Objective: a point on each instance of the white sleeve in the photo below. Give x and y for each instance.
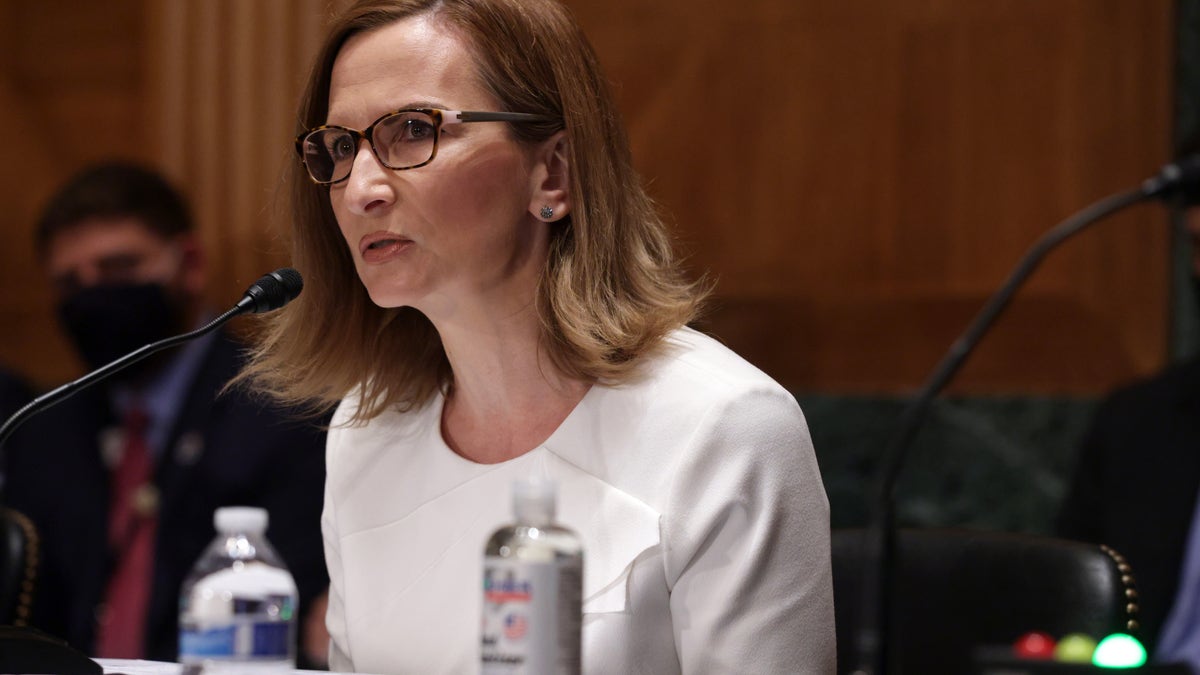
(746, 534)
(335, 615)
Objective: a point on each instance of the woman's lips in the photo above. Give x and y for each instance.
(380, 248)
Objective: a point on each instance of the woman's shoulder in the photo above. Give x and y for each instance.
(386, 427)
(702, 364)
(694, 382)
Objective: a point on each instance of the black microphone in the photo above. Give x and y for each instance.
(272, 291)
(871, 646)
(1179, 177)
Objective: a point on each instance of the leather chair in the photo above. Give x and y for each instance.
(958, 591)
(18, 567)
(24, 649)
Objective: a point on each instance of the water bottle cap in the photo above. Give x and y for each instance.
(240, 519)
(534, 500)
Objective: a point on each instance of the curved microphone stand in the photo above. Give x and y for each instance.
(879, 548)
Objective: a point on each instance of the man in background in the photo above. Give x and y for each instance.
(15, 392)
(1135, 489)
(122, 479)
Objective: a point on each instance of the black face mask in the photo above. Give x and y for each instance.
(107, 322)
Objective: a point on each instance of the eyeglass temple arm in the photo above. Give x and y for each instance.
(463, 116)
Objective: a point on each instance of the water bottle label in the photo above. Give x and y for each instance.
(241, 639)
(214, 642)
(531, 617)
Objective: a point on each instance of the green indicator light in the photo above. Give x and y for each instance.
(1119, 651)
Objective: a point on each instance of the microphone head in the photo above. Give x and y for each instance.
(1179, 180)
(272, 291)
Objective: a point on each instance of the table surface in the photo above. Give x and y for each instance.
(140, 667)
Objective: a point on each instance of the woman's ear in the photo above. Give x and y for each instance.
(551, 176)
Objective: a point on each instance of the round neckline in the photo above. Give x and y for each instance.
(439, 409)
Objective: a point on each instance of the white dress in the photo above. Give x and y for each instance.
(695, 492)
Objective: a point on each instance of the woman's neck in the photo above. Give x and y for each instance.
(507, 396)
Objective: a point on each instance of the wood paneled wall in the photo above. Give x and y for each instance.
(857, 175)
(223, 83)
(861, 175)
(71, 92)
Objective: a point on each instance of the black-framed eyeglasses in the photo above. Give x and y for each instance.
(405, 139)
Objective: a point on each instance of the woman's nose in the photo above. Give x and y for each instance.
(367, 189)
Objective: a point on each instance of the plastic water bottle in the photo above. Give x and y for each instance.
(238, 608)
(532, 589)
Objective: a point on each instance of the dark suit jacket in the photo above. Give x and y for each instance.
(1136, 484)
(224, 450)
(14, 393)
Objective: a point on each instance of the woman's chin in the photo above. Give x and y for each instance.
(385, 290)
(389, 298)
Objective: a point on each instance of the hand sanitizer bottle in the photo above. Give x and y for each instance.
(532, 589)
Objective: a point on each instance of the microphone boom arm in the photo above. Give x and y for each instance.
(879, 548)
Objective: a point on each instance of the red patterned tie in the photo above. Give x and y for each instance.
(132, 522)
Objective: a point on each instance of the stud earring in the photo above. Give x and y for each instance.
(547, 213)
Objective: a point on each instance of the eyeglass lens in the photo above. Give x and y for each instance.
(402, 140)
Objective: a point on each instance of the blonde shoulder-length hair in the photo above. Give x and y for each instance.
(611, 288)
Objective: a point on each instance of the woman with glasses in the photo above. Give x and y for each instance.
(490, 295)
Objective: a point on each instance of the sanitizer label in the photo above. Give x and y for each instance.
(531, 616)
